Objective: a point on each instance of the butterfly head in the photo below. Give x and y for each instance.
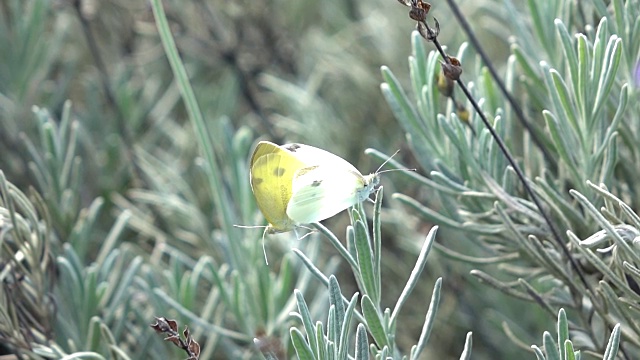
(369, 184)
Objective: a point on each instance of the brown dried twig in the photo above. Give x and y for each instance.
(170, 327)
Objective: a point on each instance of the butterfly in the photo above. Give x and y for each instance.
(298, 184)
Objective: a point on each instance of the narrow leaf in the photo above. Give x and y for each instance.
(362, 343)
(302, 348)
(365, 262)
(468, 343)
(550, 347)
(306, 318)
(346, 327)
(335, 299)
(415, 273)
(563, 332)
(374, 322)
(429, 319)
(614, 343)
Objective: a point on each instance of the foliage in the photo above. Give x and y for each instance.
(564, 349)
(582, 92)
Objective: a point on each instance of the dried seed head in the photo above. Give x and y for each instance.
(419, 11)
(428, 33)
(452, 68)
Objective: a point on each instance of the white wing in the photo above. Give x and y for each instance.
(320, 192)
(313, 156)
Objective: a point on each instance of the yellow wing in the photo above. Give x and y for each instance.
(272, 171)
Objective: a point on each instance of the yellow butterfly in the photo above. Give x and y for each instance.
(299, 184)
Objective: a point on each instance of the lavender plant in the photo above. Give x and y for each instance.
(576, 99)
(130, 217)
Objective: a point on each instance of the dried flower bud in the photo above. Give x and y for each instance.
(452, 68)
(164, 325)
(193, 347)
(417, 14)
(422, 29)
(170, 327)
(175, 339)
(419, 11)
(428, 33)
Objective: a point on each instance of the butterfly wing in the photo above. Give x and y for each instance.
(272, 172)
(313, 156)
(320, 192)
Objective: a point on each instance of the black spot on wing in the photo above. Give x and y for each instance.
(293, 147)
(316, 183)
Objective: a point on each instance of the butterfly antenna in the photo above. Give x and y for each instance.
(264, 250)
(386, 161)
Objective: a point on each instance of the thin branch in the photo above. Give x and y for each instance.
(551, 160)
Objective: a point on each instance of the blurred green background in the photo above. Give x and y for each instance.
(92, 119)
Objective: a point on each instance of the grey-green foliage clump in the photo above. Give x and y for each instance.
(562, 347)
(577, 95)
(334, 338)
